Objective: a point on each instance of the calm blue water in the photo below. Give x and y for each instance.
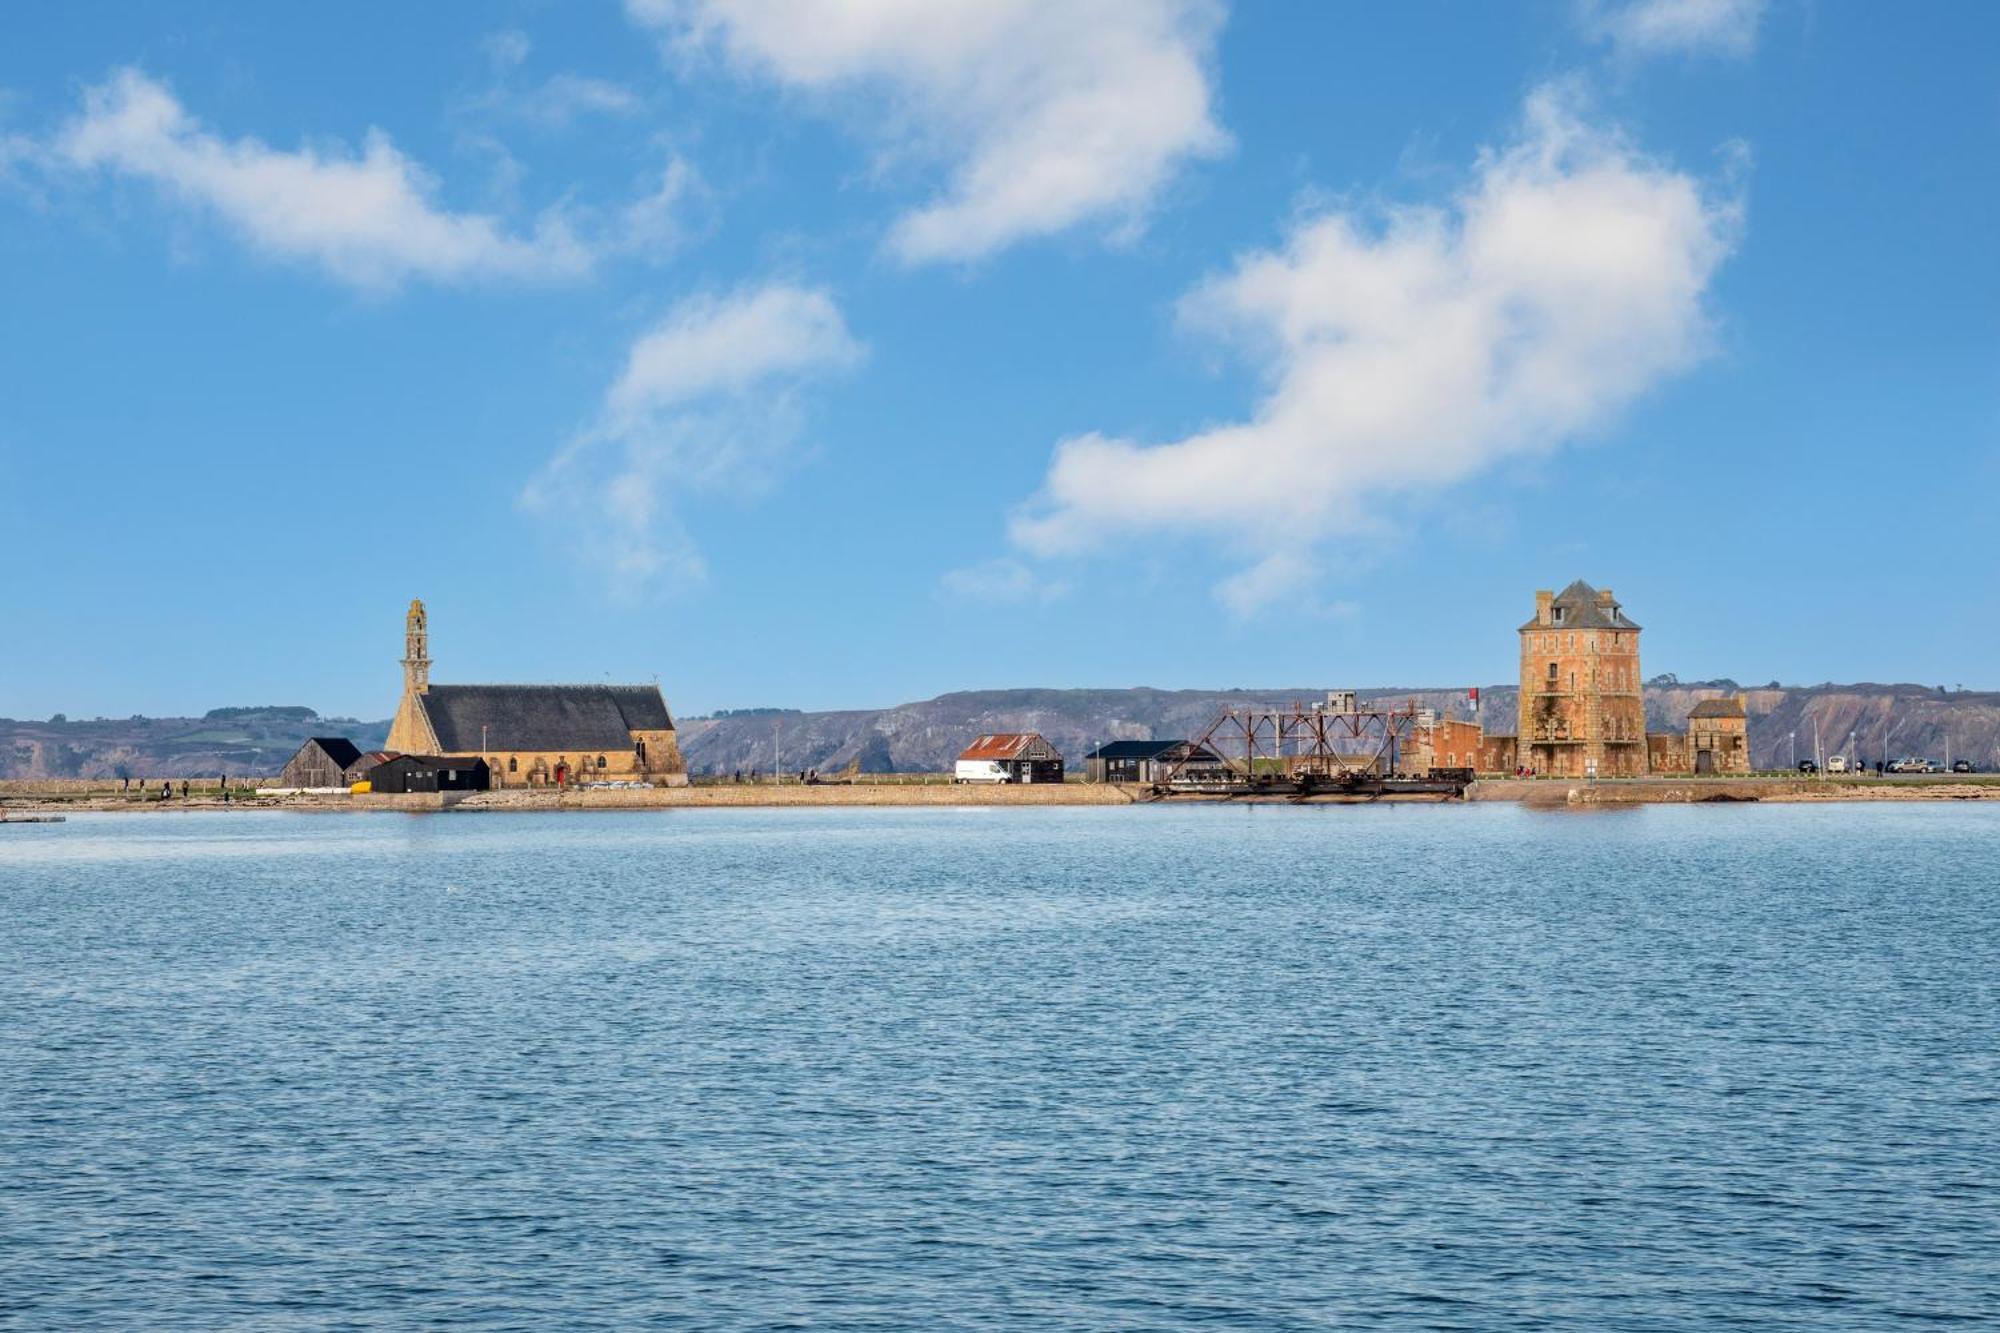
(1395, 1067)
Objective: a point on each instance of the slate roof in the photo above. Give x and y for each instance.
(543, 717)
(1581, 611)
(440, 762)
(339, 749)
(1729, 707)
(1116, 750)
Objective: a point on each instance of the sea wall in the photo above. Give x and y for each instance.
(1725, 790)
(101, 786)
(1545, 792)
(866, 793)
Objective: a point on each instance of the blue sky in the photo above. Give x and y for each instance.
(842, 353)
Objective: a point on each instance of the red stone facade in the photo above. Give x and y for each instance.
(1582, 704)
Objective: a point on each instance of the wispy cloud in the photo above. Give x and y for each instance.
(369, 218)
(1661, 27)
(1001, 579)
(554, 102)
(1047, 113)
(562, 98)
(655, 223)
(1410, 353)
(707, 403)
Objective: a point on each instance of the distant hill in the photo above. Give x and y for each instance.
(925, 737)
(248, 741)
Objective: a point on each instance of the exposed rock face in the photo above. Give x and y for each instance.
(927, 736)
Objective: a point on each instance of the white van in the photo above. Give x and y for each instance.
(1836, 763)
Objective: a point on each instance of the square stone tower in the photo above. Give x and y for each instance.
(1583, 706)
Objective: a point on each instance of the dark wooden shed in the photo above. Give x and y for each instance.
(425, 773)
(361, 768)
(321, 762)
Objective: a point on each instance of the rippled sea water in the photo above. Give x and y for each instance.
(1439, 1067)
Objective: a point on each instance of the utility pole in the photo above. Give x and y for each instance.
(1795, 752)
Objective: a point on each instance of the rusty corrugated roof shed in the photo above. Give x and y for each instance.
(1010, 745)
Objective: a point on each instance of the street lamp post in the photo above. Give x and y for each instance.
(1885, 745)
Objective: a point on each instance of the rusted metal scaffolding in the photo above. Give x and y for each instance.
(1336, 742)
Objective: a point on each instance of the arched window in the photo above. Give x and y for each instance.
(513, 764)
(600, 761)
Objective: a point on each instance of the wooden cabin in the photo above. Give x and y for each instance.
(321, 762)
(428, 773)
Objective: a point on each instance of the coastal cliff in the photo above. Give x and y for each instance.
(926, 736)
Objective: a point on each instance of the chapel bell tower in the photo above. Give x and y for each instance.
(416, 651)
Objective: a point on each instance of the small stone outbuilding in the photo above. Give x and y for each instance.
(1718, 736)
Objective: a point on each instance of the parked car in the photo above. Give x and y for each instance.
(1836, 763)
(1808, 766)
(1963, 766)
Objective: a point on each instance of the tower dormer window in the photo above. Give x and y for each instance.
(1559, 615)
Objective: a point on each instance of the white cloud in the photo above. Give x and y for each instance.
(562, 98)
(1049, 113)
(1280, 574)
(369, 219)
(554, 103)
(1001, 579)
(507, 48)
(656, 221)
(1658, 27)
(1564, 281)
(707, 403)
